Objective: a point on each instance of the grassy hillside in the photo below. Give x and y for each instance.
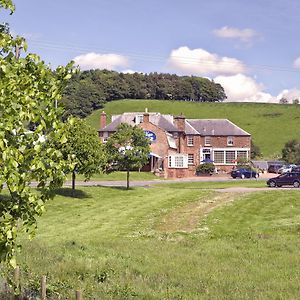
(271, 125)
(189, 244)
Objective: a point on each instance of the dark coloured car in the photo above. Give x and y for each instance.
(274, 168)
(292, 178)
(296, 169)
(244, 173)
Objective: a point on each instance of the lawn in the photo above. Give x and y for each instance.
(271, 125)
(167, 242)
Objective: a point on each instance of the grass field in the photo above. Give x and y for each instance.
(168, 242)
(271, 125)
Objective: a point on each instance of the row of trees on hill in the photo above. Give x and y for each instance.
(89, 90)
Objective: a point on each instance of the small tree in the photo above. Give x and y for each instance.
(28, 92)
(291, 152)
(255, 151)
(127, 149)
(283, 101)
(84, 149)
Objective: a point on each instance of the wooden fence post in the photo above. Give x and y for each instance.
(78, 295)
(43, 288)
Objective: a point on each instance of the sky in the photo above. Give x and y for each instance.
(252, 48)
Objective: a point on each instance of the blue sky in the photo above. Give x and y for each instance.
(250, 47)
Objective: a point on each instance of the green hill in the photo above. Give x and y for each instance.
(271, 125)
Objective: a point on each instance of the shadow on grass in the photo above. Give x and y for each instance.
(120, 188)
(68, 192)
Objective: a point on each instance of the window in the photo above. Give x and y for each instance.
(190, 140)
(207, 141)
(139, 119)
(178, 161)
(230, 157)
(190, 159)
(242, 154)
(230, 141)
(105, 137)
(219, 157)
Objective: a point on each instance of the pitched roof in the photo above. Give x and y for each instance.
(163, 121)
(218, 127)
(204, 127)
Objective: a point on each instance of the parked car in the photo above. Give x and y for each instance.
(292, 178)
(274, 168)
(296, 169)
(286, 169)
(244, 173)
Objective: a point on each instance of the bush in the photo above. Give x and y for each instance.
(206, 168)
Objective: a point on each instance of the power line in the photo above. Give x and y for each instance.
(147, 57)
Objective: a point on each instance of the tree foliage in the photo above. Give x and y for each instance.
(28, 91)
(255, 151)
(91, 89)
(127, 149)
(291, 152)
(84, 149)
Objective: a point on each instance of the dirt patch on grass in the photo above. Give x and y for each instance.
(187, 218)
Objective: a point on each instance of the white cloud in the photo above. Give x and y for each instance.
(101, 61)
(200, 62)
(241, 88)
(244, 35)
(297, 63)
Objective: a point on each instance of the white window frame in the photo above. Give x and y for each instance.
(191, 159)
(139, 119)
(230, 141)
(190, 140)
(207, 140)
(178, 161)
(236, 150)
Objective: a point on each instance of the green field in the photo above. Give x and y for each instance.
(271, 125)
(168, 242)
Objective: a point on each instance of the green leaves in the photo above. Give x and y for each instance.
(128, 148)
(28, 92)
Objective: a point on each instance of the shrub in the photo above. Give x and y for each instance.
(206, 168)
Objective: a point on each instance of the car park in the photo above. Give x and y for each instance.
(291, 178)
(244, 173)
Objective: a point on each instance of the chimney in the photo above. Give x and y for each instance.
(146, 116)
(180, 122)
(102, 120)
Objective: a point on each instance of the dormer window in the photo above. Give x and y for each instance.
(139, 119)
(230, 141)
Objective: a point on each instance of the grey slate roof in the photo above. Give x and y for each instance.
(217, 127)
(204, 127)
(163, 121)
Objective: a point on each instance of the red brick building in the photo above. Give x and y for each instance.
(178, 144)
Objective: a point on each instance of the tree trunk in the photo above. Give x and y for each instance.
(127, 180)
(73, 180)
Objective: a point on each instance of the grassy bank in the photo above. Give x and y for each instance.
(168, 242)
(271, 125)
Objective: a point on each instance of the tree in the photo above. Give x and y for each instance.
(291, 152)
(84, 149)
(296, 101)
(127, 149)
(29, 90)
(255, 151)
(283, 101)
